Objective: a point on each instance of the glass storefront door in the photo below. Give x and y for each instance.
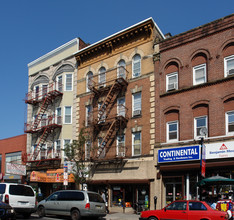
(173, 191)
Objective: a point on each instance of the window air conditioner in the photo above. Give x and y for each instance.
(121, 154)
(231, 72)
(172, 86)
(136, 112)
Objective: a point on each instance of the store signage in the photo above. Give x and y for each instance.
(179, 154)
(220, 150)
(18, 169)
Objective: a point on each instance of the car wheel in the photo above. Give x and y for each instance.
(75, 214)
(41, 211)
(152, 218)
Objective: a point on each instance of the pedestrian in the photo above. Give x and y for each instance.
(104, 199)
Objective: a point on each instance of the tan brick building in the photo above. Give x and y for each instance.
(195, 102)
(116, 104)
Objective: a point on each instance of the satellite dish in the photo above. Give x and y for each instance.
(203, 131)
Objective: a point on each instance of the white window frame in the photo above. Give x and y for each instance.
(88, 114)
(59, 86)
(134, 108)
(133, 145)
(56, 148)
(227, 122)
(103, 152)
(121, 110)
(168, 76)
(135, 62)
(118, 152)
(58, 121)
(226, 59)
(90, 73)
(66, 76)
(199, 67)
(64, 115)
(177, 131)
(100, 72)
(196, 136)
(121, 69)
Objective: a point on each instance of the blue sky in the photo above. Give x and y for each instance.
(32, 28)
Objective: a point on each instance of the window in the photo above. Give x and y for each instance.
(37, 91)
(136, 143)
(60, 83)
(229, 65)
(121, 106)
(88, 146)
(101, 148)
(177, 206)
(199, 123)
(43, 151)
(58, 148)
(89, 81)
(43, 120)
(121, 69)
(136, 66)
(44, 90)
(136, 108)
(101, 112)
(194, 206)
(230, 122)
(102, 77)
(68, 84)
(13, 158)
(172, 81)
(199, 74)
(172, 131)
(67, 115)
(88, 115)
(120, 145)
(59, 116)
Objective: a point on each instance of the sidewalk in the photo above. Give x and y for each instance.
(121, 216)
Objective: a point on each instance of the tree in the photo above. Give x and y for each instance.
(75, 153)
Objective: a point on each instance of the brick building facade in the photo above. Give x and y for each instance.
(194, 77)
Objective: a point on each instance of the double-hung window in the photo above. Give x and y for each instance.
(101, 148)
(67, 115)
(200, 124)
(199, 74)
(229, 65)
(89, 81)
(230, 123)
(136, 66)
(121, 106)
(60, 83)
(136, 143)
(59, 116)
(57, 148)
(121, 69)
(136, 108)
(88, 115)
(120, 145)
(172, 131)
(68, 84)
(102, 77)
(172, 81)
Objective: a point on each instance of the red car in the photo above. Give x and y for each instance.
(185, 210)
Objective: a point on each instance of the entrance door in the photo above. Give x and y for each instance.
(173, 192)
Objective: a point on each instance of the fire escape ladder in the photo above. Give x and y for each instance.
(42, 110)
(106, 139)
(40, 142)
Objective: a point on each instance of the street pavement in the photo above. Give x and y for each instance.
(121, 216)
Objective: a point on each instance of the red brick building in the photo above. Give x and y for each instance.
(11, 151)
(194, 73)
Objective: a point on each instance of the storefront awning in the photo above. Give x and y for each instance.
(216, 180)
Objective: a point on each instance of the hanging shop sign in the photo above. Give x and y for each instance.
(18, 169)
(220, 150)
(179, 154)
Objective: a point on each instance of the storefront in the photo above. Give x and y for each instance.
(180, 169)
(123, 194)
(45, 183)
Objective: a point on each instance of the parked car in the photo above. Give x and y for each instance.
(74, 203)
(6, 211)
(20, 197)
(185, 210)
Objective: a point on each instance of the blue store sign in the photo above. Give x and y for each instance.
(179, 154)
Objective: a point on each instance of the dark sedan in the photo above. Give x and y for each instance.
(6, 211)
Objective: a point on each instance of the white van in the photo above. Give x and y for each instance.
(21, 197)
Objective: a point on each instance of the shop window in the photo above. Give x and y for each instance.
(136, 143)
(136, 66)
(14, 158)
(199, 74)
(172, 81)
(200, 125)
(229, 65)
(172, 131)
(230, 123)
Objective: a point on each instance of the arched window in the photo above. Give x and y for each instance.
(136, 66)
(228, 59)
(199, 63)
(121, 69)
(171, 72)
(102, 77)
(172, 125)
(89, 81)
